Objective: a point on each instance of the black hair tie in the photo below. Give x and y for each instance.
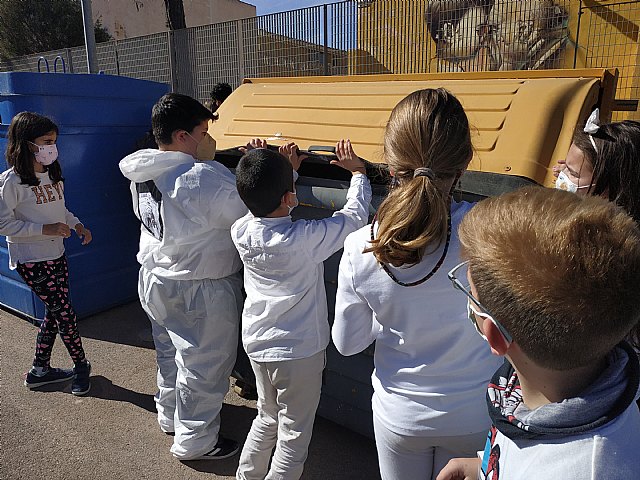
(424, 172)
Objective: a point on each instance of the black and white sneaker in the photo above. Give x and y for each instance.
(81, 383)
(53, 375)
(225, 448)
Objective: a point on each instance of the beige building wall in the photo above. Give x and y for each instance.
(133, 18)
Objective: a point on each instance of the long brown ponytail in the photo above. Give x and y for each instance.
(427, 130)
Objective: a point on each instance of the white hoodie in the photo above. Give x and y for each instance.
(199, 204)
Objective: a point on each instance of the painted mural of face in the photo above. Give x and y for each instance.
(473, 35)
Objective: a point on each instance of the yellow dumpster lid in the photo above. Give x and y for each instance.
(522, 121)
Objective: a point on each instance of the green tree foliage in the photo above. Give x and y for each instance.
(34, 26)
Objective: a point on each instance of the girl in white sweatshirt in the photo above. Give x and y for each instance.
(35, 221)
(431, 370)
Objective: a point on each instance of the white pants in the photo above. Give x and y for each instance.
(403, 457)
(288, 397)
(195, 331)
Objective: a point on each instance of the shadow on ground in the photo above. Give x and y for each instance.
(334, 451)
(105, 389)
(126, 325)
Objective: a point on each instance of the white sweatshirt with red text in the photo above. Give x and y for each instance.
(24, 210)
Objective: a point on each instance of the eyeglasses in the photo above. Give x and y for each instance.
(466, 289)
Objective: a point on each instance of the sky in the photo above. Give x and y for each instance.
(264, 7)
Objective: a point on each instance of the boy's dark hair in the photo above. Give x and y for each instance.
(146, 141)
(175, 111)
(26, 127)
(262, 177)
(220, 91)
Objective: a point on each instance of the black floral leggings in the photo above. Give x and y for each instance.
(49, 280)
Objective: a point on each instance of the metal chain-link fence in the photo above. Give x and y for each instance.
(379, 36)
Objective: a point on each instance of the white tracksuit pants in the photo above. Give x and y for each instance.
(195, 331)
(288, 397)
(407, 457)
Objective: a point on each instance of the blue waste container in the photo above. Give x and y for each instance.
(100, 118)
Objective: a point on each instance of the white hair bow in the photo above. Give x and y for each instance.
(592, 126)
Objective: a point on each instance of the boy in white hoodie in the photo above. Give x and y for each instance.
(190, 285)
(553, 286)
(285, 328)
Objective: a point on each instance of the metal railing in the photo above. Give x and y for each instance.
(381, 36)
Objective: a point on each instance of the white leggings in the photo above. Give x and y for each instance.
(420, 458)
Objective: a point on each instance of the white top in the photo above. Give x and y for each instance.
(593, 435)
(285, 313)
(199, 204)
(609, 452)
(431, 366)
(24, 210)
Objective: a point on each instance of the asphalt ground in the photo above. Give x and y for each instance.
(112, 432)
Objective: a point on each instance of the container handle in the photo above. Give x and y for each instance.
(55, 64)
(45, 62)
(321, 148)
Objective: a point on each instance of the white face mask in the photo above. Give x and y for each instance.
(46, 154)
(564, 183)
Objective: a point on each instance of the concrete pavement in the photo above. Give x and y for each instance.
(112, 432)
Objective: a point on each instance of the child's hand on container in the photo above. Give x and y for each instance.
(556, 169)
(253, 143)
(291, 151)
(56, 230)
(348, 159)
(83, 233)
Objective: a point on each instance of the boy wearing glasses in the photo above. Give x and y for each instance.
(285, 328)
(551, 282)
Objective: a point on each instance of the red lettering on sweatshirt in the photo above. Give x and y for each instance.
(50, 195)
(40, 196)
(59, 189)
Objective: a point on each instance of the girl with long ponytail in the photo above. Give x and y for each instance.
(431, 370)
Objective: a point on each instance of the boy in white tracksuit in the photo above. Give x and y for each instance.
(551, 282)
(190, 285)
(285, 328)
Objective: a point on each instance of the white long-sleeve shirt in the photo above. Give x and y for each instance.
(199, 204)
(592, 436)
(431, 367)
(285, 313)
(24, 210)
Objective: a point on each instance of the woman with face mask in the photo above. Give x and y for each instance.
(35, 220)
(604, 160)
